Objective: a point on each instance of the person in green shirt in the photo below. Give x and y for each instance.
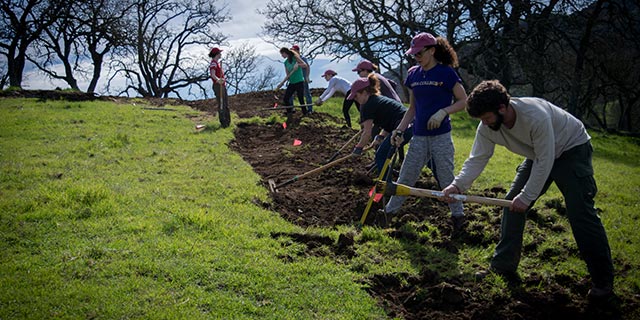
(293, 67)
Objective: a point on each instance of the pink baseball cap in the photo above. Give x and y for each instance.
(420, 41)
(356, 86)
(329, 72)
(364, 65)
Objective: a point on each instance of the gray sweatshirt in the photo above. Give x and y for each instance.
(542, 132)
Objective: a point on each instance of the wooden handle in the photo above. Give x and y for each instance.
(403, 190)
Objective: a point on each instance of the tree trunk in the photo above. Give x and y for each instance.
(576, 80)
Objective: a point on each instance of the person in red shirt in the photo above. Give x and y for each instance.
(219, 87)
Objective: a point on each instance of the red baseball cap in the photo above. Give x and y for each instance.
(329, 72)
(420, 41)
(356, 86)
(295, 47)
(364, 65)
(214, 51)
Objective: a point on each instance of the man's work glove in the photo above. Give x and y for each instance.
(318, 102)
(397, 138)
(357, 151)
(436, 119)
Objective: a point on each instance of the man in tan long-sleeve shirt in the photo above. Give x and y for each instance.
(557, 149)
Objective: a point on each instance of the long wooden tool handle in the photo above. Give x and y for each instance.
(316, 170)
(403, 190)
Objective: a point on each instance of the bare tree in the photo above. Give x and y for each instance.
(265, 80)
(167, 32)
(105, 31)
(376, 30)
(240, 63)
(59, 44)
(21, 23)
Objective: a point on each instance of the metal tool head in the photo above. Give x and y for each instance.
(272, 186)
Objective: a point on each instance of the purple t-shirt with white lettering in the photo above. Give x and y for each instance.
(432, 91)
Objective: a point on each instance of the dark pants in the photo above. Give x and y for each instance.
(221, 100)
(298, 89)
(573, 174)
(307, 96)
(346, 106)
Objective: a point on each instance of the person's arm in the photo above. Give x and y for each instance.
(397, 134)
(302, 64)
(365, 138)
(287, 75)
(328, 93)
(212, 74)
(461, 101)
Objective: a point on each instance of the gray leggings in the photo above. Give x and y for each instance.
(435, 152)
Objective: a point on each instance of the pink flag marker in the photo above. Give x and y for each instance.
(377, 197)
(275, 105)
(296, 142)
(284, 125)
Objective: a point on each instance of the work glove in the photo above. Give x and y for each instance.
(397, 138)
(357, 151)
(318, 102)
(220, 81)
(436, 119)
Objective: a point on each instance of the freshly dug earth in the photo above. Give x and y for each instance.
(338, 195)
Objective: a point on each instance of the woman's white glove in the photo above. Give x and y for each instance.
(436, 119)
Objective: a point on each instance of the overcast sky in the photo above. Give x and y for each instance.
(245, 26)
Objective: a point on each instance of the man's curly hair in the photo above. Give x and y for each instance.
(487, 97)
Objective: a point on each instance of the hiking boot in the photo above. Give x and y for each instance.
(508, 276)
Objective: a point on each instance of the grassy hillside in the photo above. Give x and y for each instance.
(120, 211)
(115, 211)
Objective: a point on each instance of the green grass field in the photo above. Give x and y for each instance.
(117, 211)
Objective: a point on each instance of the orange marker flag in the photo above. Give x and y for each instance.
(296, 142)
